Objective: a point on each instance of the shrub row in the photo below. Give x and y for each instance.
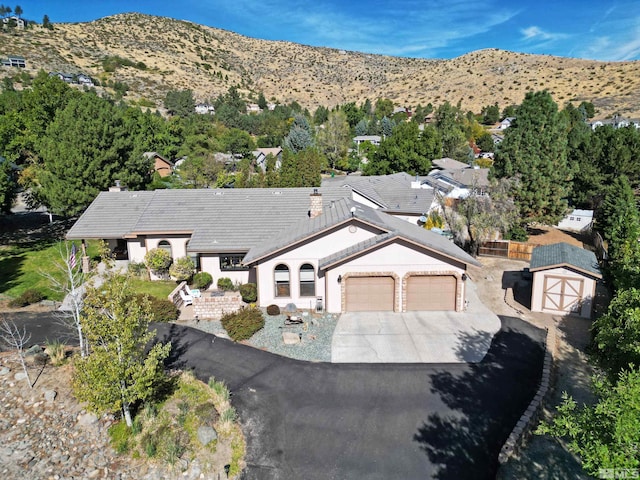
(27, 298)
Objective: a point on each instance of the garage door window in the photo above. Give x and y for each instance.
(283, 288)
(307, 280)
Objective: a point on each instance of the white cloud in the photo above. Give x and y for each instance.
(535, 33)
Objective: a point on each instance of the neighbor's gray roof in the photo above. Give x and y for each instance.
(393, 193)
(219, 219)
(564, 255)
(341, 213)
(449, 164)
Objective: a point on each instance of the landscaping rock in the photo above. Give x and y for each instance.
(207, 434)
(87, 419)
(290, 338)
(290, 308)
(4, 371)
(34, 350)
(50, 395)
(20, 376)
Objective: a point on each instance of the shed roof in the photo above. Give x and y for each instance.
(564, 255)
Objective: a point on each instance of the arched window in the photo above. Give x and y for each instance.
(307, 280)
(163, 244)
(283, 288)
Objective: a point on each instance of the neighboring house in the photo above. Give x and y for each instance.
(497, 139)
(577, 221)
(18, 22)
(14, 61)
(564, 279)
(163, 166)
(261, 154)
(298, 245)
(454, 179)
(373, 139)
(205, 108)
(506, 123)
(615, 122)
(85, 80)
(398, 194)
(253, 108)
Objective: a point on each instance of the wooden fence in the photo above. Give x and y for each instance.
(507, 249)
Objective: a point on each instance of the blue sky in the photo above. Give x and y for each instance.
(599, 30)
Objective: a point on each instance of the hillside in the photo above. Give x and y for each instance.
(178, 54)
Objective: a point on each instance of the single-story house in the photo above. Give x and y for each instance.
(297, 245)
(373, 139)
(162, 165)
(398, 194)
(15, 61)
(205, 108)
(564, 279)
(577, 221)
(506, 123)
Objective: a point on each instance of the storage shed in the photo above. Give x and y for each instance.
(564, 279)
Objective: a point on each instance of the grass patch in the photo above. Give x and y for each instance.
(156, 288)
(23, 266)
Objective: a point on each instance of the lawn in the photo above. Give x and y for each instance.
(157, 288)
(25, 266)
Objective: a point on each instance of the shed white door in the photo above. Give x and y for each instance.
(369, 294)
(437, 292)
(562, 294)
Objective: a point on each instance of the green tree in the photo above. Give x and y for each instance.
(607, 434)
(362, 127)
(320, 115)
(616, 334)
(301, 169)
(262, 102)
(490, 114)
(180, 102)
(18, 11)
(485, 142)
(84, 150)
(509, 111)
(46, 23)
(119, 372)
(334, 139)
(8, 186)
(299, 137)
(449, 122)
(407, 150)
(534, 150)
(383, 108)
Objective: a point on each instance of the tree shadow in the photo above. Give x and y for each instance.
(485, 400)
(179, 346)
(10, 268)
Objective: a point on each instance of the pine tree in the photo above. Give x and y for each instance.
(534, 150)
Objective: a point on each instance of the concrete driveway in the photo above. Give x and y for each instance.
(416, 337)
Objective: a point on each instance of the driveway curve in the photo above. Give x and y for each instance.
(374, 421)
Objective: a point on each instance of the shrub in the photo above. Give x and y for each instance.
(242, 324)
(273, 310)
(517, 233)
(163, 310)
(138, 269)
(225, 283)
(120, 435)
(27, 298)
(249, 292)
(202, 280)
(182, 268)
(158, 260)
(56, 351)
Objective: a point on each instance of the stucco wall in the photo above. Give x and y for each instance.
(537, 290)
(309, 252)
(398, 258)
(211, 263)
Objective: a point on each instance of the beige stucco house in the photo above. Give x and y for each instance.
(564, 279)
(299, 245)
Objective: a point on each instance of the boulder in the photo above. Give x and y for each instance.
(290, 308)
(50, 395)
(290, 338)
(87, 419)
(20, 376)
(4, 371)
(207, 435)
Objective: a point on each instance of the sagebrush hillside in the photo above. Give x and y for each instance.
(163, 54)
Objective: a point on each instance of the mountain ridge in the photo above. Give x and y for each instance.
(180, 54)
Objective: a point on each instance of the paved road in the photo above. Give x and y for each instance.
(374, 421)
(43, 326)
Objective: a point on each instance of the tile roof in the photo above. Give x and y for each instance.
(449, 164)
(564, 254)
(393, 193)
(219, 219)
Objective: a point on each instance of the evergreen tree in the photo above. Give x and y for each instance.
(180, 102)
(299, 137)
(534, 150)
(362, 127)
(301, 169)
(262, 102)
(386, 126)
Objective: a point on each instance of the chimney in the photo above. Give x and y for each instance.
(316, 204)
(118, 187)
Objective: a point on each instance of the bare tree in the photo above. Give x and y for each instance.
(16, 339)
(68, 279)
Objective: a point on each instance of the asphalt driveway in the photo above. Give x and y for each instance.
(374, 421)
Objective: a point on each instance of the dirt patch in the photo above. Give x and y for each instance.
(544, 235)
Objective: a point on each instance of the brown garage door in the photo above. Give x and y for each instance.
(436, 292)
(370, 294)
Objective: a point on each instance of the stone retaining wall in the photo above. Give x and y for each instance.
(214, 307)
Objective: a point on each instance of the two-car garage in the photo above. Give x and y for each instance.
(421, 293)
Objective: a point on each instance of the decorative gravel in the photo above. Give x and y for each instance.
(316, 329)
